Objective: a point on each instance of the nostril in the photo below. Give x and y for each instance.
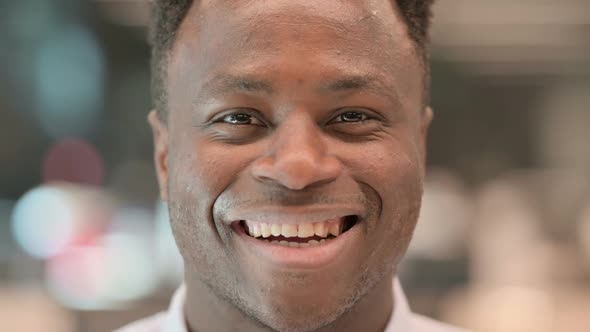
(296, 170)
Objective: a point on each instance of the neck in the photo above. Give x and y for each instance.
(207, 312)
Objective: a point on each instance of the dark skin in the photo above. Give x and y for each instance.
(282, 104)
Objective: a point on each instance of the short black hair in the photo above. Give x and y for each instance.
(167, 15)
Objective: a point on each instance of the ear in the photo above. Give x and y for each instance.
(160, 132)
(427, 117)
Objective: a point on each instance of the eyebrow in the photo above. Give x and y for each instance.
(228, 83)
(361, 82)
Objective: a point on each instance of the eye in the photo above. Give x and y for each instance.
(350, 116)
(356, 122)
(241, 119)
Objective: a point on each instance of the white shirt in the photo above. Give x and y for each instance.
(402, 319)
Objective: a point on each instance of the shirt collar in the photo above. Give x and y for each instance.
(400, 317)
(175, 320)
(399, 321)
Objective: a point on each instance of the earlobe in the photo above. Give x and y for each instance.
(427, 119)
(160, 134)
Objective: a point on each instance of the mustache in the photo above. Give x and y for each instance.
(253, 199)
(298, 200)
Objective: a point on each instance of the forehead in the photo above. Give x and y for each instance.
(261, 24)
(242, 37)
(338, 16)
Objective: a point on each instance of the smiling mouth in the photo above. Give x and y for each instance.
(302, 235)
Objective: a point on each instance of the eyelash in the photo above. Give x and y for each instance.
(364, 117)
(253, 114)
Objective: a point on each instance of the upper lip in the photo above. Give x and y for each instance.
(294, 214)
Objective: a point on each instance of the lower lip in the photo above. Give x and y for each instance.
(309, 258)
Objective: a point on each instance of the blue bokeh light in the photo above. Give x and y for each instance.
(43, 221)
(70, 82)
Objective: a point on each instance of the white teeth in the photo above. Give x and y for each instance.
(336, 229)
(305, 230)
(320, 229)
(289, 230)
(254, 230)
(265, 230)
(311, 243)
(275, 229)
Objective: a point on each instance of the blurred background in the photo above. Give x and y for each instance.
(503, 243)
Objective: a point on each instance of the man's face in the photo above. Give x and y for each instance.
(294, 119)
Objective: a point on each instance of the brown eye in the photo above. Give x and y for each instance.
(351, 116)
(241, 119)
(355, 122)
(238, 119)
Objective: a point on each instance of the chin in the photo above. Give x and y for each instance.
(303, 312)
(298, 320)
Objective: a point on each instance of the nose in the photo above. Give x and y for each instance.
(298, 158)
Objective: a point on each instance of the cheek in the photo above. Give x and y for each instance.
(197, 176)
(394, 172)
(200, 169)
(392, 168)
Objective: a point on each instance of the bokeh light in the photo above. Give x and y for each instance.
(72, 278)
(131, 271)
(505, 308)
(444, 218)
(507, 244)
(43, 221)
(73, 160)
(70, 81)
(49, 218)
(115, 270)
